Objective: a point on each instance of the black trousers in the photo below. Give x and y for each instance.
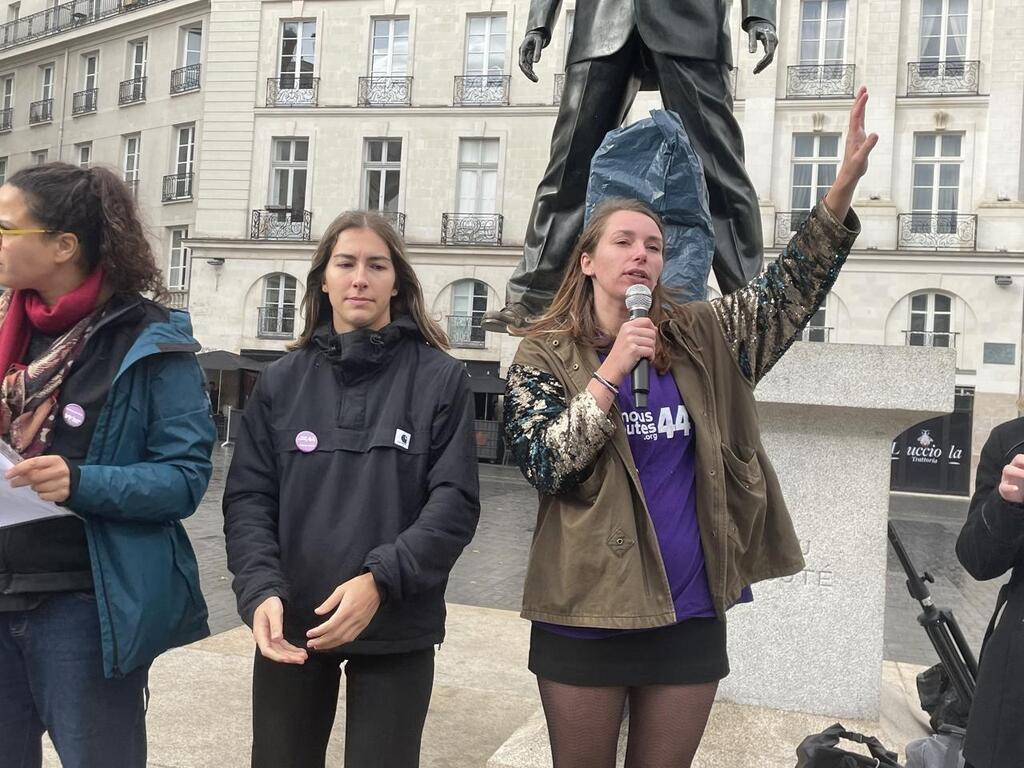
(293, 709)
(596, 97)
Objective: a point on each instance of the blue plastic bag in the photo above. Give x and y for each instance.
(654, 162)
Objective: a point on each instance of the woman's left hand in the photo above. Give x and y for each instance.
(356, 601)
(855, 159)
(49, 476)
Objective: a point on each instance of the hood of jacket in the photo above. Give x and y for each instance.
(363, 352)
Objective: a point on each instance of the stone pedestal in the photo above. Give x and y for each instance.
(829, 413)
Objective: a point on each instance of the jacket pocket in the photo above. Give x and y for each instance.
(746, 497)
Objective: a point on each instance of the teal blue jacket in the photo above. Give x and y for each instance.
(147, 468)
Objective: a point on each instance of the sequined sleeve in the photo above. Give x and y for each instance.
(554, 443)
(761, 320)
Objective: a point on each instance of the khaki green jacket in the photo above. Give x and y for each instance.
(595, 560)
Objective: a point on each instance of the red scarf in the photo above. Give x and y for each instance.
(27, 310)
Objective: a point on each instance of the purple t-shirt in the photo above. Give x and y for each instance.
(661, 439)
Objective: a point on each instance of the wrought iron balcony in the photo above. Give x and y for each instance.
(40, 111)
(931, 338)
(276, 321)
(185, 79)
(84, 102)
(177, 187)
(938, 231)
(938, 78)
(820, 81)
(482, 90)
(176, 298)
(471, 228)
(64, 18)
(274, 223)
(816, 333)
(132, 91)
(559, 88)
(786, 223)
(6, 119)
(465, 332)
(395, 219)
(293, 91)
(377, 91)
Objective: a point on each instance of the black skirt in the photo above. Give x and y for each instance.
(688, 653)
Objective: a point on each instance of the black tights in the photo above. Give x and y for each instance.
(666, 723)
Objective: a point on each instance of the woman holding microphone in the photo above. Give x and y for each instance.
(654, 521)
(352, 491)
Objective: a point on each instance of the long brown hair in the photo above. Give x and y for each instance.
(94, 205)
(317, 307)
(572, 309)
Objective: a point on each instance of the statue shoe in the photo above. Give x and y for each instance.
(509, 318)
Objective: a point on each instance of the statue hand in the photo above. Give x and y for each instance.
(765, 32)
(529, 52)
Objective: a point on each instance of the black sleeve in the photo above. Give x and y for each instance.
(992, 540)
(423, 554)
(251, 509)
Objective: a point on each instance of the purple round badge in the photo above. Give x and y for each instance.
(74, 415)
(306, 442)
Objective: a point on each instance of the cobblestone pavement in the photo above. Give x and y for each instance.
(491, 571)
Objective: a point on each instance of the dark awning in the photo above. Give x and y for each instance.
(222, 360)
(488, 385)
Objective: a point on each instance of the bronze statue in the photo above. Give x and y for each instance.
(680, 47)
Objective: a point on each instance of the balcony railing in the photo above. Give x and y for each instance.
(385, 91)
(185, 79)
(395, 219)
(786, 223)
(176, 298)
(177, 187)
(63, 18)
(559, 88)
(931, 338)
(471, 228)
(293, 91)
(132, 91)
(40, 111)
(820, 81)
(937, 78)
(816, 333)
(482, 90)
(464, 332)
(938, 231)
(276, 322)
(6, 119)
(84, 102)
(280, 224)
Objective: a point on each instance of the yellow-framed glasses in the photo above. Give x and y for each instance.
(12, 232)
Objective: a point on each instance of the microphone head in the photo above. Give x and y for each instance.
(638, 297)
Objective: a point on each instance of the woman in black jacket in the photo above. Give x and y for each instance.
(352, 491)
(990, 544)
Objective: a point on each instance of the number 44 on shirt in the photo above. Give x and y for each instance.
(669, 424)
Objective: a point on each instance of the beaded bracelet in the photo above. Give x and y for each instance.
(607, 384)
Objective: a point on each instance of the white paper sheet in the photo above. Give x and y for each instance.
(21, 505)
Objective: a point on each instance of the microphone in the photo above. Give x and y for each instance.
(638, 302)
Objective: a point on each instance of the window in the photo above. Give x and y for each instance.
(469, 303)
(13, 11)
(46, 82)
(3, 170)
(178, 260)
(931, 321)
(936, 195)
(822, 32)
(389, 48)
(137, 59)
(815, 161)
(192, 46)
(40, 157)
(186, 149)
(382, 169)
(943, 30)
(288, 174)
(84, 154)
(277, 315)
(485, 45)
(132, 158)
(298, 54)
(7, 93)
(478, 176)
(90, 69)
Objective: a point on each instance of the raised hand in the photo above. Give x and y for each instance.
(859, 144)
